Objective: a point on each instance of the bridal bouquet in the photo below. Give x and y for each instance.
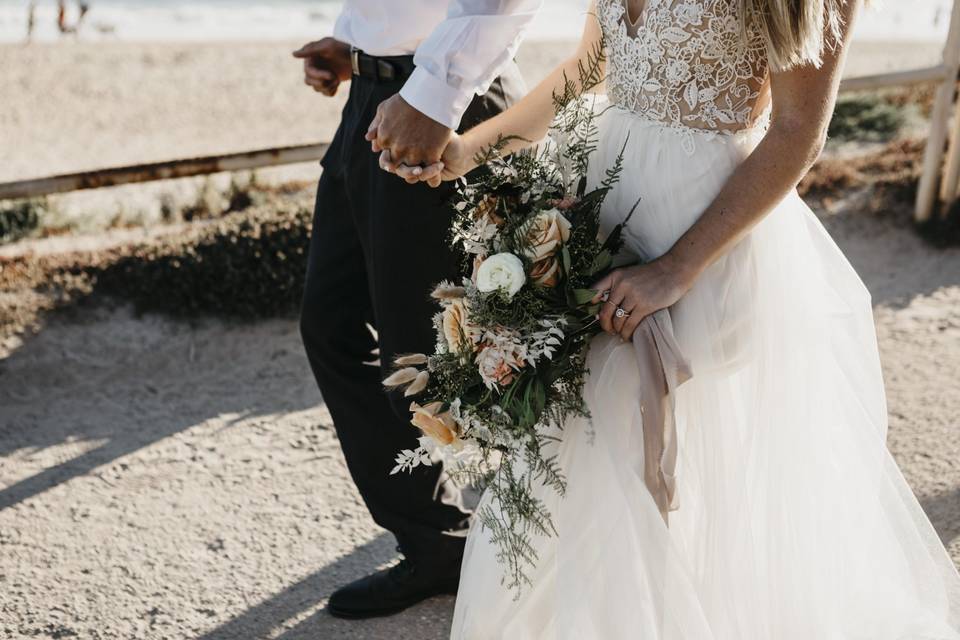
(512, 336)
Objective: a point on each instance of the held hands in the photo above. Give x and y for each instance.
(639, 291)
(414, 146)
(405, 136)
(455, 162)
(326, 63)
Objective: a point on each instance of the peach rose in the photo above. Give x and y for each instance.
(457, 330)
(497, 366)
(546, 272)
(546, 233)
(439, 426)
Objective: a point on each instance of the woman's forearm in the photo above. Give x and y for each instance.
(803, 103)
(527, 121)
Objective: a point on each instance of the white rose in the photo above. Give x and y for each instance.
(503, 272)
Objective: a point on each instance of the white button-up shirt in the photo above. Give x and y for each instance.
(459, 46)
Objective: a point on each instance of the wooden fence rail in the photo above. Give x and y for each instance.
(161, 171)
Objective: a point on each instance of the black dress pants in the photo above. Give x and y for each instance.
(378, 247)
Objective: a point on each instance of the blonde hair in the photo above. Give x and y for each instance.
(796, 32)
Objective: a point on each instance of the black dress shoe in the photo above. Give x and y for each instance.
(391, 591)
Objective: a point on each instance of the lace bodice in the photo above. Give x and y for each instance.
(686, 63)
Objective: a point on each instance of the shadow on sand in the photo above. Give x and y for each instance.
(427, 621)
(126, 382)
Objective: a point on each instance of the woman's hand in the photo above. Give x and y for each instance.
(639, 291)
(457, 160)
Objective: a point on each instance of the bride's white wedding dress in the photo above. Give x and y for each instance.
(793, 522)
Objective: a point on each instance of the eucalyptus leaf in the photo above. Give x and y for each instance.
(601, 262)
(583, 296)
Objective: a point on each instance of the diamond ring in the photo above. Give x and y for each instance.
(621, 313)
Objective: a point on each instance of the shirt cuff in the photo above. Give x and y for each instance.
(435, 99)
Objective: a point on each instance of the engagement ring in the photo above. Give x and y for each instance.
(621, 313)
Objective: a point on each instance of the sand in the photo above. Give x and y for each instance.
(162, 479)
(80, 106)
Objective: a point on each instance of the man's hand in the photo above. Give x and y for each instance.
(411, 138)
(326, 63)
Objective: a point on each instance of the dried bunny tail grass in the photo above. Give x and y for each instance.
(447, 291)
(418, 385)
(410, 360)
(401, 378)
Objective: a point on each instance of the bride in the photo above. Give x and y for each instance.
(791, 521)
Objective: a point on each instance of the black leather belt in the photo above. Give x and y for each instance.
(381, 68)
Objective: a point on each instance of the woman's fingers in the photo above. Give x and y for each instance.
(621, 319)
(419, 174)
(432, 171)
(608, 313)
(604, 296)
(603, 286)
(630, 326)
(408, 173)
(386, 162)
(610, 295)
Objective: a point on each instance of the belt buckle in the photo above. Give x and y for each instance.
(385, 70)
(355, 60)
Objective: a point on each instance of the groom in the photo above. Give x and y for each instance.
(427, 67)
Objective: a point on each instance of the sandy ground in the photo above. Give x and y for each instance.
(161, 479)
(167, 480)
(71, 107)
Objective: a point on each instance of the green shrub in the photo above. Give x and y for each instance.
(211, 202)
(866, 117)
(246, 265)
(19, 219)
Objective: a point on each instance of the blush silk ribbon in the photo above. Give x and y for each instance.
(663, 368)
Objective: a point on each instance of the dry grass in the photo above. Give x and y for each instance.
(891, 173)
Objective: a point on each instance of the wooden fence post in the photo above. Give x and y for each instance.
(951, 171)
(939, 120)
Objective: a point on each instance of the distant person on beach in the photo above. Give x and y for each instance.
(62, 24)
(31, 19)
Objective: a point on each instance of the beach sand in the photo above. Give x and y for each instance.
(79, 106)
(165, 479)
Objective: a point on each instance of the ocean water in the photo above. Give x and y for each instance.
(204, 20)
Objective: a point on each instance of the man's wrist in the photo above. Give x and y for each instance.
(435, 99)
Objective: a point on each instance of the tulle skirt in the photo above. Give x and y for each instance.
(793, 521)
